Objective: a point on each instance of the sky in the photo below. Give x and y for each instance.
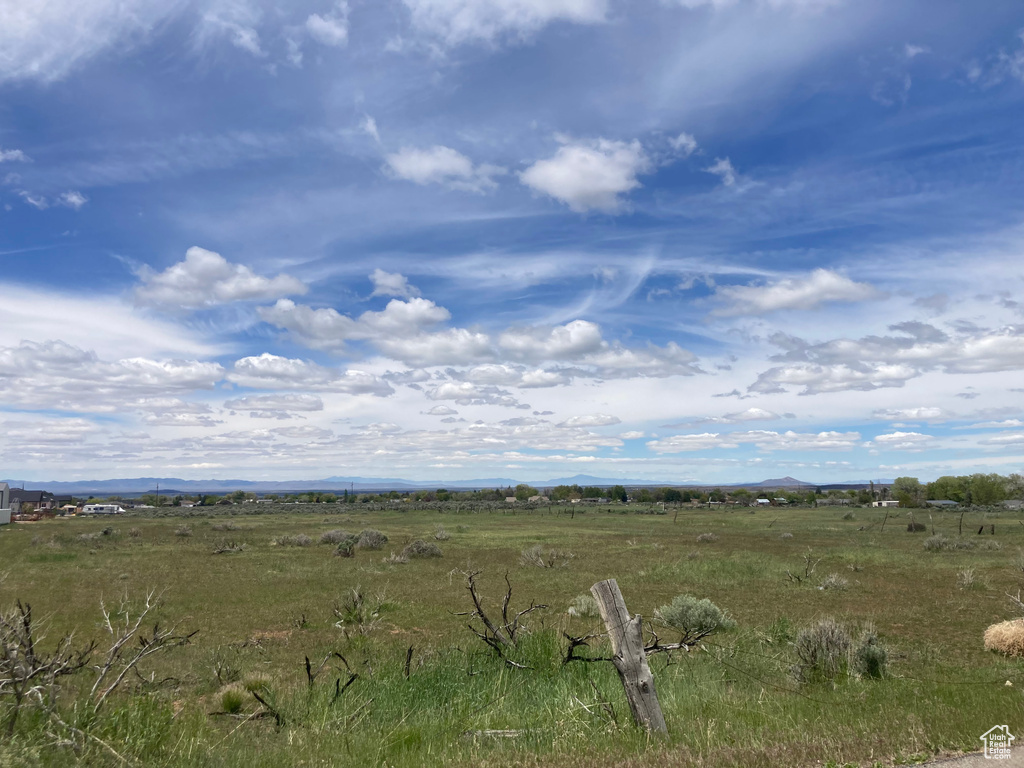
(701, 241)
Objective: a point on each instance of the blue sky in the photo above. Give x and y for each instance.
(676, 240)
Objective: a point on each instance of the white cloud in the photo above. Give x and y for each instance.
(467, 393)
(57, 376)
(276, 402)
(920, 413)
(46, 40)
(235, 20)
(561, 342)
(72, 199)
(810, 292)
(445, 166)
(460, 21)
(1006, 423)
(902, 441)
(442, 410)
(12, 155)
(723, 169)
(913, 51)
(369, 127)
(591, 420)
(36, 201)
(632, 435)
(331, 29)
(797, 5)
(685, 144)
(890, 361)
(764, 440)
(392, 284)
(205, 279)
(267, 371)
(589, 175)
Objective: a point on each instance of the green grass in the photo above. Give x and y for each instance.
(260, 612)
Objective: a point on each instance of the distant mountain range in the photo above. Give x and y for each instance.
(337, 484)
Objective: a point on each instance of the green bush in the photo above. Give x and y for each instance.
(420, 548)
(822, 652)
(370, 538)
(870, 659)
(694, 618)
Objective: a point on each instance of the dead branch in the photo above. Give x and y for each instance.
(581, 642)
(499, 637)
(125, 628)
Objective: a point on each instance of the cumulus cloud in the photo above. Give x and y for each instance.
(461, 21)
(764, 440)
(921, 413)
(46, 40)
(750, 414)
(404, 331)
(445, 166)
(276, 402)
(392, 284)
(12, 155)
(57, 376)
(890, 361)
(442, 410)
(589, 175)
(206, 279)
(175, 412)
(591, 420)
(902, 441)
(467, 393)
(332, 28)
(723, 169)
(685, 144)
(72, 199)
(267, 371)
(822, 286)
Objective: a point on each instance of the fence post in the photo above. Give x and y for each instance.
(628, 656)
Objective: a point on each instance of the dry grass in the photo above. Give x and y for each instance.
(1007, 638)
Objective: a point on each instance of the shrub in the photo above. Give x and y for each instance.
(228, 526)
(232, 699)
(849, 516)
(694, 618)
(822, 652)
(393, 559)
(183, 531)
(707, 538)
(786, 536)
(134, 533)
(441, 534)
(335, 537)
(256, 682)
(538, 557)
(939, 543)
(346, 548)
(870, 659)
(298, 540)
(370, 538)
(420, 548)
(584, 606)
(965, 579)
(835, 582)
(1007, 638)
(991, 545)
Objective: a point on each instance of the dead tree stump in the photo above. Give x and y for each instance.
(629, 657)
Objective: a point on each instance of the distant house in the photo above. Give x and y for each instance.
(1013, 504)
(764, 502)
(942, 503)
(510, 499)
(538, 499)
(885, 503)
(102, 509)
(27, 502)
(5, 504)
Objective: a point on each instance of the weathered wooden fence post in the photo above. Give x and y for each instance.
(628, 656)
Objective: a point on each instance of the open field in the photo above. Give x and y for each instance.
(261, 611)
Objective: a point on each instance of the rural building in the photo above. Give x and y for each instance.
(885, 503)
(27, 502)
(5, 504)
(764, 502)
(102, 509)
(941, 503)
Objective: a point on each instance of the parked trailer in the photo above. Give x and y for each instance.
(5, 504)
(102, 509)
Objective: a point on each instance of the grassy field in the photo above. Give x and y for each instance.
(259, 613)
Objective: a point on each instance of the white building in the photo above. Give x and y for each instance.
(102, 509)
(5, 504)
(885, 503)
